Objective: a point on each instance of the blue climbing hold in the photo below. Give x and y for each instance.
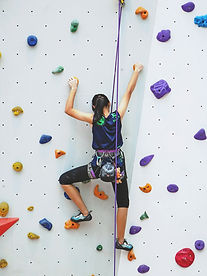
(45, 139)
(144, 161)
(200, 135)
(32, 40)
(201, 21)
(46, 224)
(188, 7)
(66, 195)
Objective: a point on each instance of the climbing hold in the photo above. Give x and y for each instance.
(32, 40)
(144, 216)
(100, 194)
(45, 139)
(17, 166)
(143, 268)
(6, 223)
(144, 12)
(131, 255)
(200, 135)
(201, 21)
(3, 263)
(69, 224)
(17, 110)
(32, 236)
(134, 229)
(59, 69)
(67, 196)
(0, 55)
(74, 26)
(77, 80)
(146, 189)
(58, 153)
(4, 209)
(144, 161)
(30, 208)
(46, 224)
(160, 88)
(163, 36)
(172, 188)
(185, 257)
(188, 7)
(122, 2)
(199, 244)
(99, 247)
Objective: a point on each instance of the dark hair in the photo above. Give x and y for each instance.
(99, 101)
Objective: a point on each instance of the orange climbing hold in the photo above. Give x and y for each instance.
(99, 194)
(144, 12)
(58, 153)
(69, 224)
(131, 255)
(6, 223)
(146, 189)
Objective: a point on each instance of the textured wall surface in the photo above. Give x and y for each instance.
(27, 81)
(166, 130)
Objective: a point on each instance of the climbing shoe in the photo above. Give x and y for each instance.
(80, 217)
(125, 245)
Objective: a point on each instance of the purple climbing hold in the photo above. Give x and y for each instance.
(160, 88)
(144, 161)
(172, 188)
(67, 196)
(188, 7)
(200, 135)
(45, 139)
(163, 36)
(143, 269)
(135, 229)
(199, 244)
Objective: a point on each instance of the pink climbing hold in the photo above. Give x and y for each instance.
(200, 135)
(185, 257)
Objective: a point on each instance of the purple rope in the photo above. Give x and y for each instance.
(116, 74)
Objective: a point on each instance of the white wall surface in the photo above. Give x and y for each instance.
(26, 80)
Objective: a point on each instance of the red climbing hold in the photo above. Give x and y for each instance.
(6, 223)
(185, 257)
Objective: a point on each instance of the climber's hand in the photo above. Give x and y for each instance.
(138, 67)
(73, 82)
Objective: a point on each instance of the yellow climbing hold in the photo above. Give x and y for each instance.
(17, 110)
(77, 80)
(4, 209)
(32, 236)
(17, 166)
(30, 208)
(3, 263)
(0, 54)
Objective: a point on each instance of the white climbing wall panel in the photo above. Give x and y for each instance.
(166, 130)
(26, 80)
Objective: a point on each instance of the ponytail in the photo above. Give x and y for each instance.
(99, 101)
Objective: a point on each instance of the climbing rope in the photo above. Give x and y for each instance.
(116, 78)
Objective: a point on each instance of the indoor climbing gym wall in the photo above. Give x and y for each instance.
(42, 44)
(167, 216)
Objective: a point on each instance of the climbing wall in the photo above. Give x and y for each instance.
(27, 81)
(167, 129)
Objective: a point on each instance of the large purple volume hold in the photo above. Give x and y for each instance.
(172, 188)
(188, 7)
(200, 135)
(163, 36)
(160, 88)
(134, 229)
(143, 269)
(144, 161)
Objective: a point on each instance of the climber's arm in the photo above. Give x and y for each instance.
(82, 116)
(130, 88)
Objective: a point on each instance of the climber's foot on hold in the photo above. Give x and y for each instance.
(80, 217)
(125, 245)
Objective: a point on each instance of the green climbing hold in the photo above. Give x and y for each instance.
(74, 26)
(99, 247)
(144, 216)
(59, 69)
